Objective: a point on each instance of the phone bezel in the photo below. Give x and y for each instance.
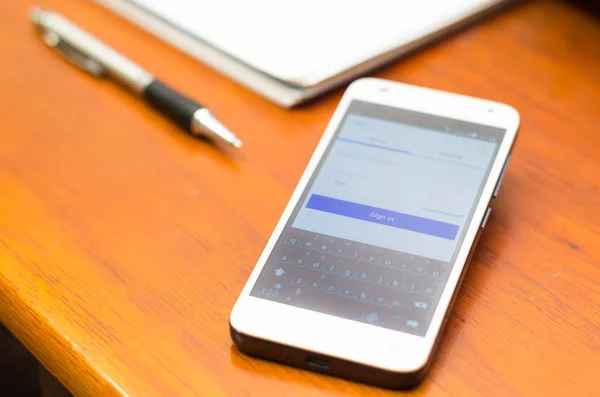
(350, 340)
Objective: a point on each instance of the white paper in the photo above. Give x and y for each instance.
(305, 42)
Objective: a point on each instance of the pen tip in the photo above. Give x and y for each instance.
(237, 143)
(203, 122)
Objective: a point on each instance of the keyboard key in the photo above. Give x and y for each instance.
(363, 276)
(292, 241)
(429, 286)
(300, 282)
(314, 285)
(363, 296)
(315, 265)
(331, 289)
(373, 259)
(302, 258)
(419, 269)
(354, 254)
(269, 292)
(379, 280)
(309, 245)
(372, 318)
(323, 248)
(285, 258)
(331, 269)
(429, 290)
(339, 251)
(346, 293)
(395, 304)
(412, 286)
(403, 261)
(396, 320)
(300, 261)
(347, 273)
(387, 261)
(412, 323)
(380, 300)
(403, 265)
(434, 271)
(421, 305)
(395, 283)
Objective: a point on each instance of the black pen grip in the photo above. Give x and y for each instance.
(177, 107)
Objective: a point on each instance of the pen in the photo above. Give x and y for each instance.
(93, 56)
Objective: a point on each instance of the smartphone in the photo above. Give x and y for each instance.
(362, 270)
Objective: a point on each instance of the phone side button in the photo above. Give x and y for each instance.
(497, 189)
(485, 217)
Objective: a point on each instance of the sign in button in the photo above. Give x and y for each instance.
(383, 217)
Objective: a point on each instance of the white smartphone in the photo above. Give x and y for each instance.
(361, 271)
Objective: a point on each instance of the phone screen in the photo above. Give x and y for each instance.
(378, 226)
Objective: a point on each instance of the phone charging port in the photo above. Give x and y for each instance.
(318, 363)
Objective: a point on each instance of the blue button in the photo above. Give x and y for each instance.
(383, 217)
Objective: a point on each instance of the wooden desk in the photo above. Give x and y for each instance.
(124, 243)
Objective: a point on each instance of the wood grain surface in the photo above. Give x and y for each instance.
(124, 243)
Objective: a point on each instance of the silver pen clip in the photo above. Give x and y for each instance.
(73, 55)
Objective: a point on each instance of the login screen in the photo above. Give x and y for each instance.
(375, 233)
(397, 186)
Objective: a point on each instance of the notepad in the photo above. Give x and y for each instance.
(290, 51)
